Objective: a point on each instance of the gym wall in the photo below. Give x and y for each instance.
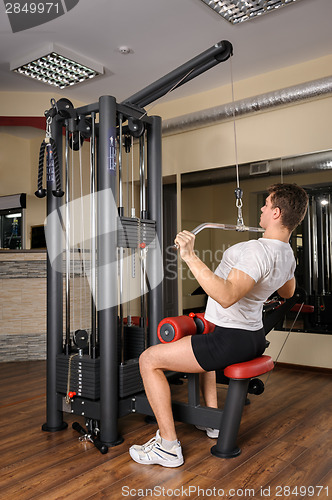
(293, 130)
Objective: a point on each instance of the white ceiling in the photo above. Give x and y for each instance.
(164, 34)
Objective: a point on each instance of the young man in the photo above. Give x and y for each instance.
(247, 275)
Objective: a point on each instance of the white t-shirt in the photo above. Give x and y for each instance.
(270, 263)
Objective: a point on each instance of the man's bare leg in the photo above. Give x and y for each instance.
(209, 388)
(177, 356)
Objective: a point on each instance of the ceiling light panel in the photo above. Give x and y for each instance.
(238, 11)
(55, 67)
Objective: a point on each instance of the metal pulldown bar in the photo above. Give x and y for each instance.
(227, 227)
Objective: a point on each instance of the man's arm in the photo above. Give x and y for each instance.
(224, 291)
(287, 290)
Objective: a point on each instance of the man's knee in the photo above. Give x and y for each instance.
(146, 359)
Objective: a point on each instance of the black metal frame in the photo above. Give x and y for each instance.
(54, 299)
(107, 408)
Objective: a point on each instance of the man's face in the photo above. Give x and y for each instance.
(267, 213)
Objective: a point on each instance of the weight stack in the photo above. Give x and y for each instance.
(127, 232)
(84, 375)
(148, 232)
(133, 341)
(130, 381)
(131, 232)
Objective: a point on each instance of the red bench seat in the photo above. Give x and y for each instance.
(250, 369)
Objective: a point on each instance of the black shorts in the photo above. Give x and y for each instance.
(226, 346)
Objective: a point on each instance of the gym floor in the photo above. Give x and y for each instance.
(285, 436)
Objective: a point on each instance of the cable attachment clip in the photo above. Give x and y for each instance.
(238, 195)
(48, 135)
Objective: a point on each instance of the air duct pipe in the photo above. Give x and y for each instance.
(313, 162)
(296, 94)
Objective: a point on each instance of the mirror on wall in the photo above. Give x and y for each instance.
(12, 219)
(208, 196)
(11, 229)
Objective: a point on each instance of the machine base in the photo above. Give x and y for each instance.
(232, 454)
(61, 427)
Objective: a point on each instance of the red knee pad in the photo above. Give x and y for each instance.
(202, 324)
(173, 329)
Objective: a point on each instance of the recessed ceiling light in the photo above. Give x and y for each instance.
(238, 11)
(58, 67)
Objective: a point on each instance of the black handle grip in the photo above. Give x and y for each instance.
(40, 193)
(103, 448)
(77, 427)
(58, 193)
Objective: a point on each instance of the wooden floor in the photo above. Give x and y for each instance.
(285, 436)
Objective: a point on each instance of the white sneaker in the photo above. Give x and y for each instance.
(211, 433)
(153, 452)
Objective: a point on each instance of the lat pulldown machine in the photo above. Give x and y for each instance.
(94, 378)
